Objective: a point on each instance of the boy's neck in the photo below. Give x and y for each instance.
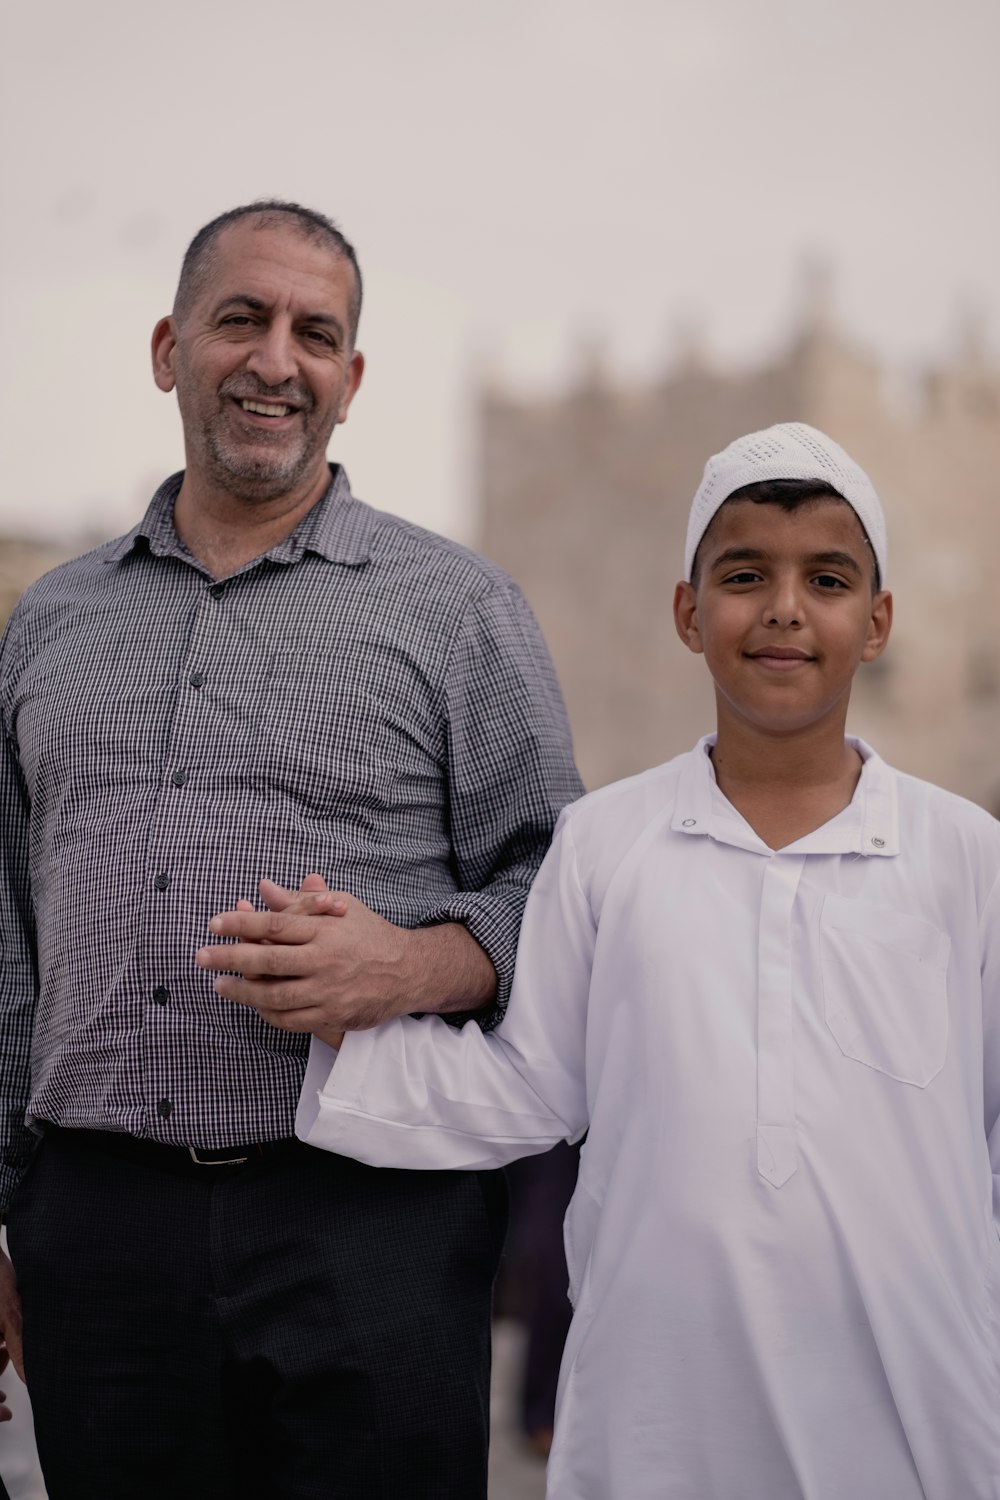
(785, 785)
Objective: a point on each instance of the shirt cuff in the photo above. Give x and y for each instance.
(495, 926)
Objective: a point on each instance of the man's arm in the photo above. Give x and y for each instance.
(510, 772)
(18, 998)
(305, 972)
(990, 933)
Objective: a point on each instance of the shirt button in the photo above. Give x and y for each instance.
(160, 995)
(217, 590)
(197, 679)
(161, 882)
(688, 823)
(179, 777)
(164, 1108)
(879, 843)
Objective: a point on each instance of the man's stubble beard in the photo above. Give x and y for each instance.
(252, 475)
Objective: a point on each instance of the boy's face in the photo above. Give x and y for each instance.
(783, 612)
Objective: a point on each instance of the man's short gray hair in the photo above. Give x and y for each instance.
(268, 213)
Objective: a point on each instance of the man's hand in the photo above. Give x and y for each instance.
(321, 961)
(10, 1328)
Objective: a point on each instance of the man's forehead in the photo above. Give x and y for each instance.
(267, 248)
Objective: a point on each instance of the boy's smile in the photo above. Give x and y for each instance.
(784, 611)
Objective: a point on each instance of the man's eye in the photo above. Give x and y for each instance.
(317, 336)
(745, 577)
(238, 320)
(829, 581)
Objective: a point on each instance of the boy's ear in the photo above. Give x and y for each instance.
(686, 616)
(879, 626)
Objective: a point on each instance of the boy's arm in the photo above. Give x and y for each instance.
(419, 1093)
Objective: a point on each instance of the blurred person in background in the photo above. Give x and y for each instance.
(266, 684)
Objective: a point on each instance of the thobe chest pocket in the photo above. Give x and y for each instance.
(885, 990)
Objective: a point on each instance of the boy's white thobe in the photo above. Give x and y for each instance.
(782, 1248)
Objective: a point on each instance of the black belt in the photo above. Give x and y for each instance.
(159, 1154)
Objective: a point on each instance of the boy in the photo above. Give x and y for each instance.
(766, 978)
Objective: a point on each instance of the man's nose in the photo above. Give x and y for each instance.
(273, 357)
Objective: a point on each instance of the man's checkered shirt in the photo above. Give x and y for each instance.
(366, 700)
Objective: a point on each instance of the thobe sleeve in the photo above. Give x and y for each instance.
(420, 1093)
(991, 1036)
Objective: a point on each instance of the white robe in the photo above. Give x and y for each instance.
(782, 1248)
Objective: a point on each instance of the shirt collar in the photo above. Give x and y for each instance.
(338, 527)
(868, 826)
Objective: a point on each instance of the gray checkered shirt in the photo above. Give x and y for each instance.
(367, 700)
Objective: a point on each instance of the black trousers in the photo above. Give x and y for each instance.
(302, 1326)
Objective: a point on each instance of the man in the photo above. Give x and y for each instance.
(265, 681)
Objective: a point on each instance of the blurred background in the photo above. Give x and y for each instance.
(599, 240)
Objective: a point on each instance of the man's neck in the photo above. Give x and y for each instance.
(224, 532)
(786, 785)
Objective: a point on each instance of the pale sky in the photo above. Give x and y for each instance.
(519, 178)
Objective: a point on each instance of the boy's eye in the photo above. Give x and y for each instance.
(746, 575)
(829, 581)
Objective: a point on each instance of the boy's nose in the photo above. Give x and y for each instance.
(783, 608)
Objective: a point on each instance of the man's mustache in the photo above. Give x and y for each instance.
(240, 388)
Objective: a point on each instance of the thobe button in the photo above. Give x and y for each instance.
(197, 679)
(217, 590)
(161, 882)
(879, 843)
(160, 995)
(164, 1108)
(688, 823)
(179, 777)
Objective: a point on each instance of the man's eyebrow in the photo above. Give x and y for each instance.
(239, 299)
(255, 304)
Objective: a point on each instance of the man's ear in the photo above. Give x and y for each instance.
(355, 370)
(686, 616)
(164, 345)
(879, 626)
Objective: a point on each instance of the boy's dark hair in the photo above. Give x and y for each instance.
(789, 494)
(270, 213)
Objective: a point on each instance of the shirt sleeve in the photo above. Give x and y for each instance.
(510, 773)
(420, 1093)
(18, 971)
(990, 927)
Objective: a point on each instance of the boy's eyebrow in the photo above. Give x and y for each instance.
(739, 554)
(815, 559)
(837, 560)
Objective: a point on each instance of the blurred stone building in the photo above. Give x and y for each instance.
(585, 498)
(21, 562)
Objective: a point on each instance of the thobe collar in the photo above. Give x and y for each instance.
(869, 825)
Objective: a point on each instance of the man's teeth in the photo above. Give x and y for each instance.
(263, 408)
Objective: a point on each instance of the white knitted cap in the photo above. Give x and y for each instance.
(790, 450)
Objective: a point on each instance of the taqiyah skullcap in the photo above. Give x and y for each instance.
(790, 450)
